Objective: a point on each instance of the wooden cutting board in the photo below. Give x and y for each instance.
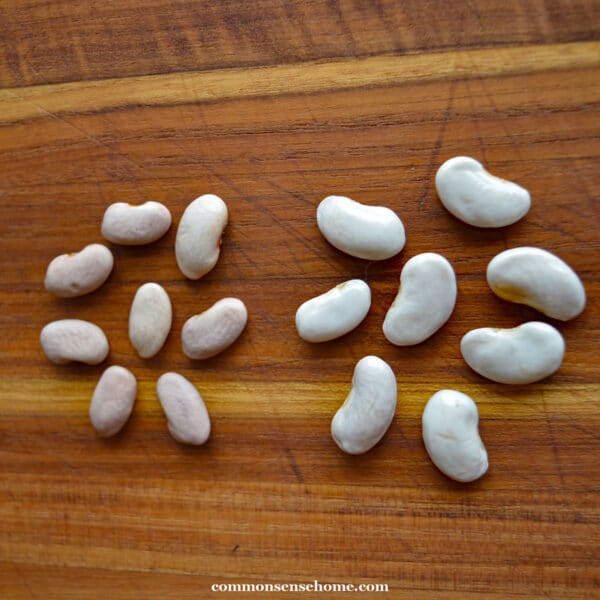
(273, 106)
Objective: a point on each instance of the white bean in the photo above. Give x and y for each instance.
(369, 408)
(198, 241)
(477, 197)
(425, 300)
(135, 225)
(335, 312)
(69, 340)
(188, 419)
(451, 436)
(79, 273)
(215, 329)
(370, 232)
(523, 354)
(150, 319)
(113, 400)
(539, 279)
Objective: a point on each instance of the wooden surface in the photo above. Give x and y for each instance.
(274, 105)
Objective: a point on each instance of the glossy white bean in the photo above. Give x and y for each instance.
(425, 300)
(368, 409)
(477, 197)
(334, 313)
(539, 279)
(523, 354)
(451, 436)
(370, 232)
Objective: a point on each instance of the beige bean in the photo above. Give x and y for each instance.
(188, 419)
(198, 240)
(214, 330)
(69, 340)
(150, 319)
(133, 225)
(113, 400)
(79, 273)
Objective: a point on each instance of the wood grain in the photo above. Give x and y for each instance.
(49, 42)
(214, 86)
(270, 498)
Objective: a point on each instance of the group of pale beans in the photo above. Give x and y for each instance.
(424, 303)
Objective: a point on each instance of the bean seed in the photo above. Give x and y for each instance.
(425, 300)
(539, 279)
(188, 419)
(369, 408)
(451, 436)
(150, 319)
(113, 400)
(477, 197)
(133, 225)
(370, 232)
(79, 273)
(523, 354)
(69, 340)
(198, 241)
(212, 331)
(334, 313)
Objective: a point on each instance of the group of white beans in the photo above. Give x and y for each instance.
(424, 303)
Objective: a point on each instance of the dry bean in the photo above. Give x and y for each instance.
(79, 273)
